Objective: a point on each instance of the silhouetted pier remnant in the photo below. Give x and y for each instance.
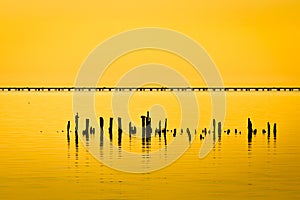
(181, 131)
(264, 131)
(120, 131)
(101, 123)
(110, 128)
(189, 134)
(214, 130)
(86, 131)
(235, 131)
(250, 130)
(228, 131)
(143, 128)
(76, 122)
(269, 130)
(148, 127)
(68, 131)
(101, 130)
(92, 130)
(214, 125)
(201, 137)
(132, 129)
(159, 128)
(76, 129)
(219, 130)
(275, 130)
(174, 132)
(129, 129)
(204, 131)
(255, 131)
(165, 131)
(87, 127)
(76, 139)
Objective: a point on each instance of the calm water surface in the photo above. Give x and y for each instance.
(36, 161)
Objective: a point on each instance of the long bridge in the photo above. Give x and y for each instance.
(149, 89)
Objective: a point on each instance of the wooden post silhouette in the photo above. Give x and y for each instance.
(130, 129)
(120, 131)
(110, 128)
(86, 131)
(87, 125)
(189, 134)
(254, 131)
(148, 127)
(165, 131)
(214, 130)
(76, 138)
(76, 122)
(219, 130)
(174, 133)
(201, 137)
(269, 130)
(143, 127)
(228, 131)
(249, 130)
(101, 131)
(159, 128)
(68, 131)
(275, 130)
(76, 129)
(214, 125)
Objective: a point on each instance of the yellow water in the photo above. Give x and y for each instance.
(36, 161)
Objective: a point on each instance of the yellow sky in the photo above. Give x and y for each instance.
(252, 43)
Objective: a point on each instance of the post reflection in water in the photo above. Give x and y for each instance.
(151, 141)
(147, 130)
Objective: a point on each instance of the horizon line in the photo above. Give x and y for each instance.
(148, 88)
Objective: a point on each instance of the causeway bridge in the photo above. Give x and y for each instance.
(149, 89)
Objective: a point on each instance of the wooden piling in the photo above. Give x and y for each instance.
(87, 125)
(120, 131)
(174, 133)
(214, 125)
(129, 129)
(68, 131)
(159, 128)
(269, 130)
(275, 131)
(189, 134)
(110, 128)
(250, 130)
(219, 130)
(148, 127)
(143, 126)
(228, 131)
(101, 130)
(165, 131)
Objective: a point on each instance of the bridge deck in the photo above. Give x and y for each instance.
(151, 89)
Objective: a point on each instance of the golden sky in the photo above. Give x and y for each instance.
(252, 42)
